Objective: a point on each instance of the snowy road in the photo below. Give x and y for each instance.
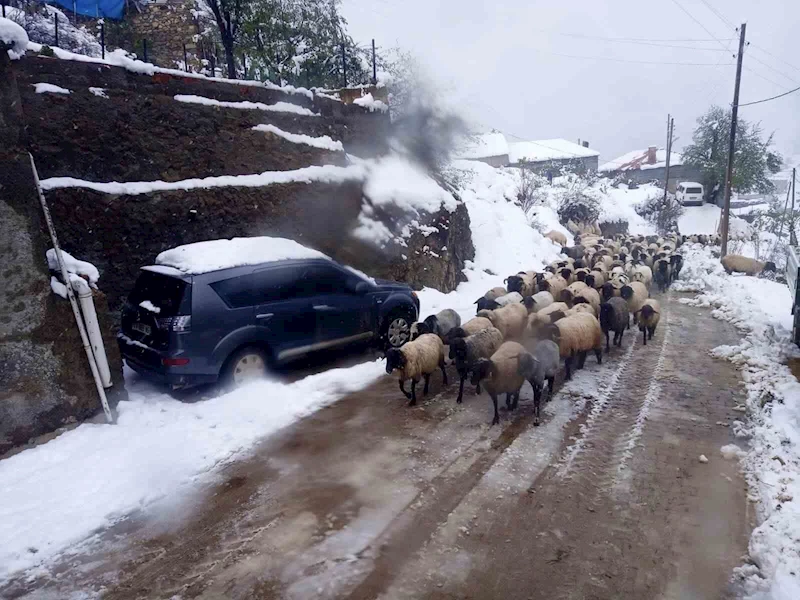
(369, 498)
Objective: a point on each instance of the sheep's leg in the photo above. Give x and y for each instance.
(427, 379)
(460, 398)
(403, 389)
(478, 388)
(644, 335)
(496, 418)
(413, 393)
(652, 330)
(598, 352)
(581, 359)
(508, 401)
(608, 346)
(516, 401)
(551, 381)
(537, 399)
(568, 368)
(444, 371)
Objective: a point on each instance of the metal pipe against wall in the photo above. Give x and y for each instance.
(71, 296)
(86, 301)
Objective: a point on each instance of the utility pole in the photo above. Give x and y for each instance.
(344, 67)
(374, 66)
(732, 147)
(670, 128)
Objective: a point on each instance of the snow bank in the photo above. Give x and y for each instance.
(14, 36)
(204, 257)
(619, 204)
(73, 265)
(284, 107)
(706, 218)
(49, 88)
(397, 191)
(120, 58)
(761, 310)
(56, 495)
(505, 243)
(371, 104)
(313, 174)
(324, 142)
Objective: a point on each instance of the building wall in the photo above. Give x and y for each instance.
(677, 174)
(500, 160)
(584, 164)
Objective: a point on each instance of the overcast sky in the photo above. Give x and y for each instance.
(502, 61)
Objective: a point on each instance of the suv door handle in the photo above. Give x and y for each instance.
(265, 316)
(324, 308)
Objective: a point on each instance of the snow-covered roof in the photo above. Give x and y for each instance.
(543, 150)
(213, 255)
(484, 145)
(637, 159)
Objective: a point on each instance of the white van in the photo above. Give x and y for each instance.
(689, 193)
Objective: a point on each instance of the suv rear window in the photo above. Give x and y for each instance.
(169, 294)
(694, 190)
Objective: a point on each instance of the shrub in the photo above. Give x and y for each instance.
(663, 215)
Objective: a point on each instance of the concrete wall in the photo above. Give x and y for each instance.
(677, 174)
(584, 164)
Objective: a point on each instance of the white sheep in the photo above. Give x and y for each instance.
(474, 325)
(501, 375)
(418, 358)
(556, 236)
(493, 294)
(572, 290)
(588, 296)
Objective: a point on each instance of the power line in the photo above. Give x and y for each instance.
(757, 74)
(679, 5)
(789, 77)
(778, 58)
(772, 98)
(719, 15)
(624, 39)
(624, 60)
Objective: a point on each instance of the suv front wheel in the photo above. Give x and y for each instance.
(245, 365)
(396, 329)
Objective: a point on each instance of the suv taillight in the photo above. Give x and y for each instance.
(177, 323)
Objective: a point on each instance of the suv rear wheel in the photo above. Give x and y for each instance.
(245, 365)
(397, 329)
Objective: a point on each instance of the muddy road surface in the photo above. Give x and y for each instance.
(369, 498)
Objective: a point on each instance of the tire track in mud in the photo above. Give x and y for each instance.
(599, 458)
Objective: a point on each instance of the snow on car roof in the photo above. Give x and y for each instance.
(213, 255)
(691, 183)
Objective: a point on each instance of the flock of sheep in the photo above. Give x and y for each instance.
(523, 331)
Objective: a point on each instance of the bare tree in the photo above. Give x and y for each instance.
(228, 15)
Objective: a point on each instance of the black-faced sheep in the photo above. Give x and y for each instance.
(662, 274)
(568, 294)
(589, 296)
(511, 320)
(734, 263)
(523, 283)
(467, 351)
(474, 325)
(440, 324)
(643, 274)
(492, 294)
(574, 252)
(416, 359)
(648, 317)
(614, 316)
(575, 336)
(538, 301)
(635, 293)
(676, 261)
(500, 375)
(555, 285)
(537, 367)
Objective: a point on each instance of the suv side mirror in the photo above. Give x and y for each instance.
(362, 287)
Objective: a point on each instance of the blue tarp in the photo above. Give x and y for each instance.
(110, 9)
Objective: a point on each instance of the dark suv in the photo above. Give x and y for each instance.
(234, 323)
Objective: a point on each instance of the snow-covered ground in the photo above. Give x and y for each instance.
(760, 309)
